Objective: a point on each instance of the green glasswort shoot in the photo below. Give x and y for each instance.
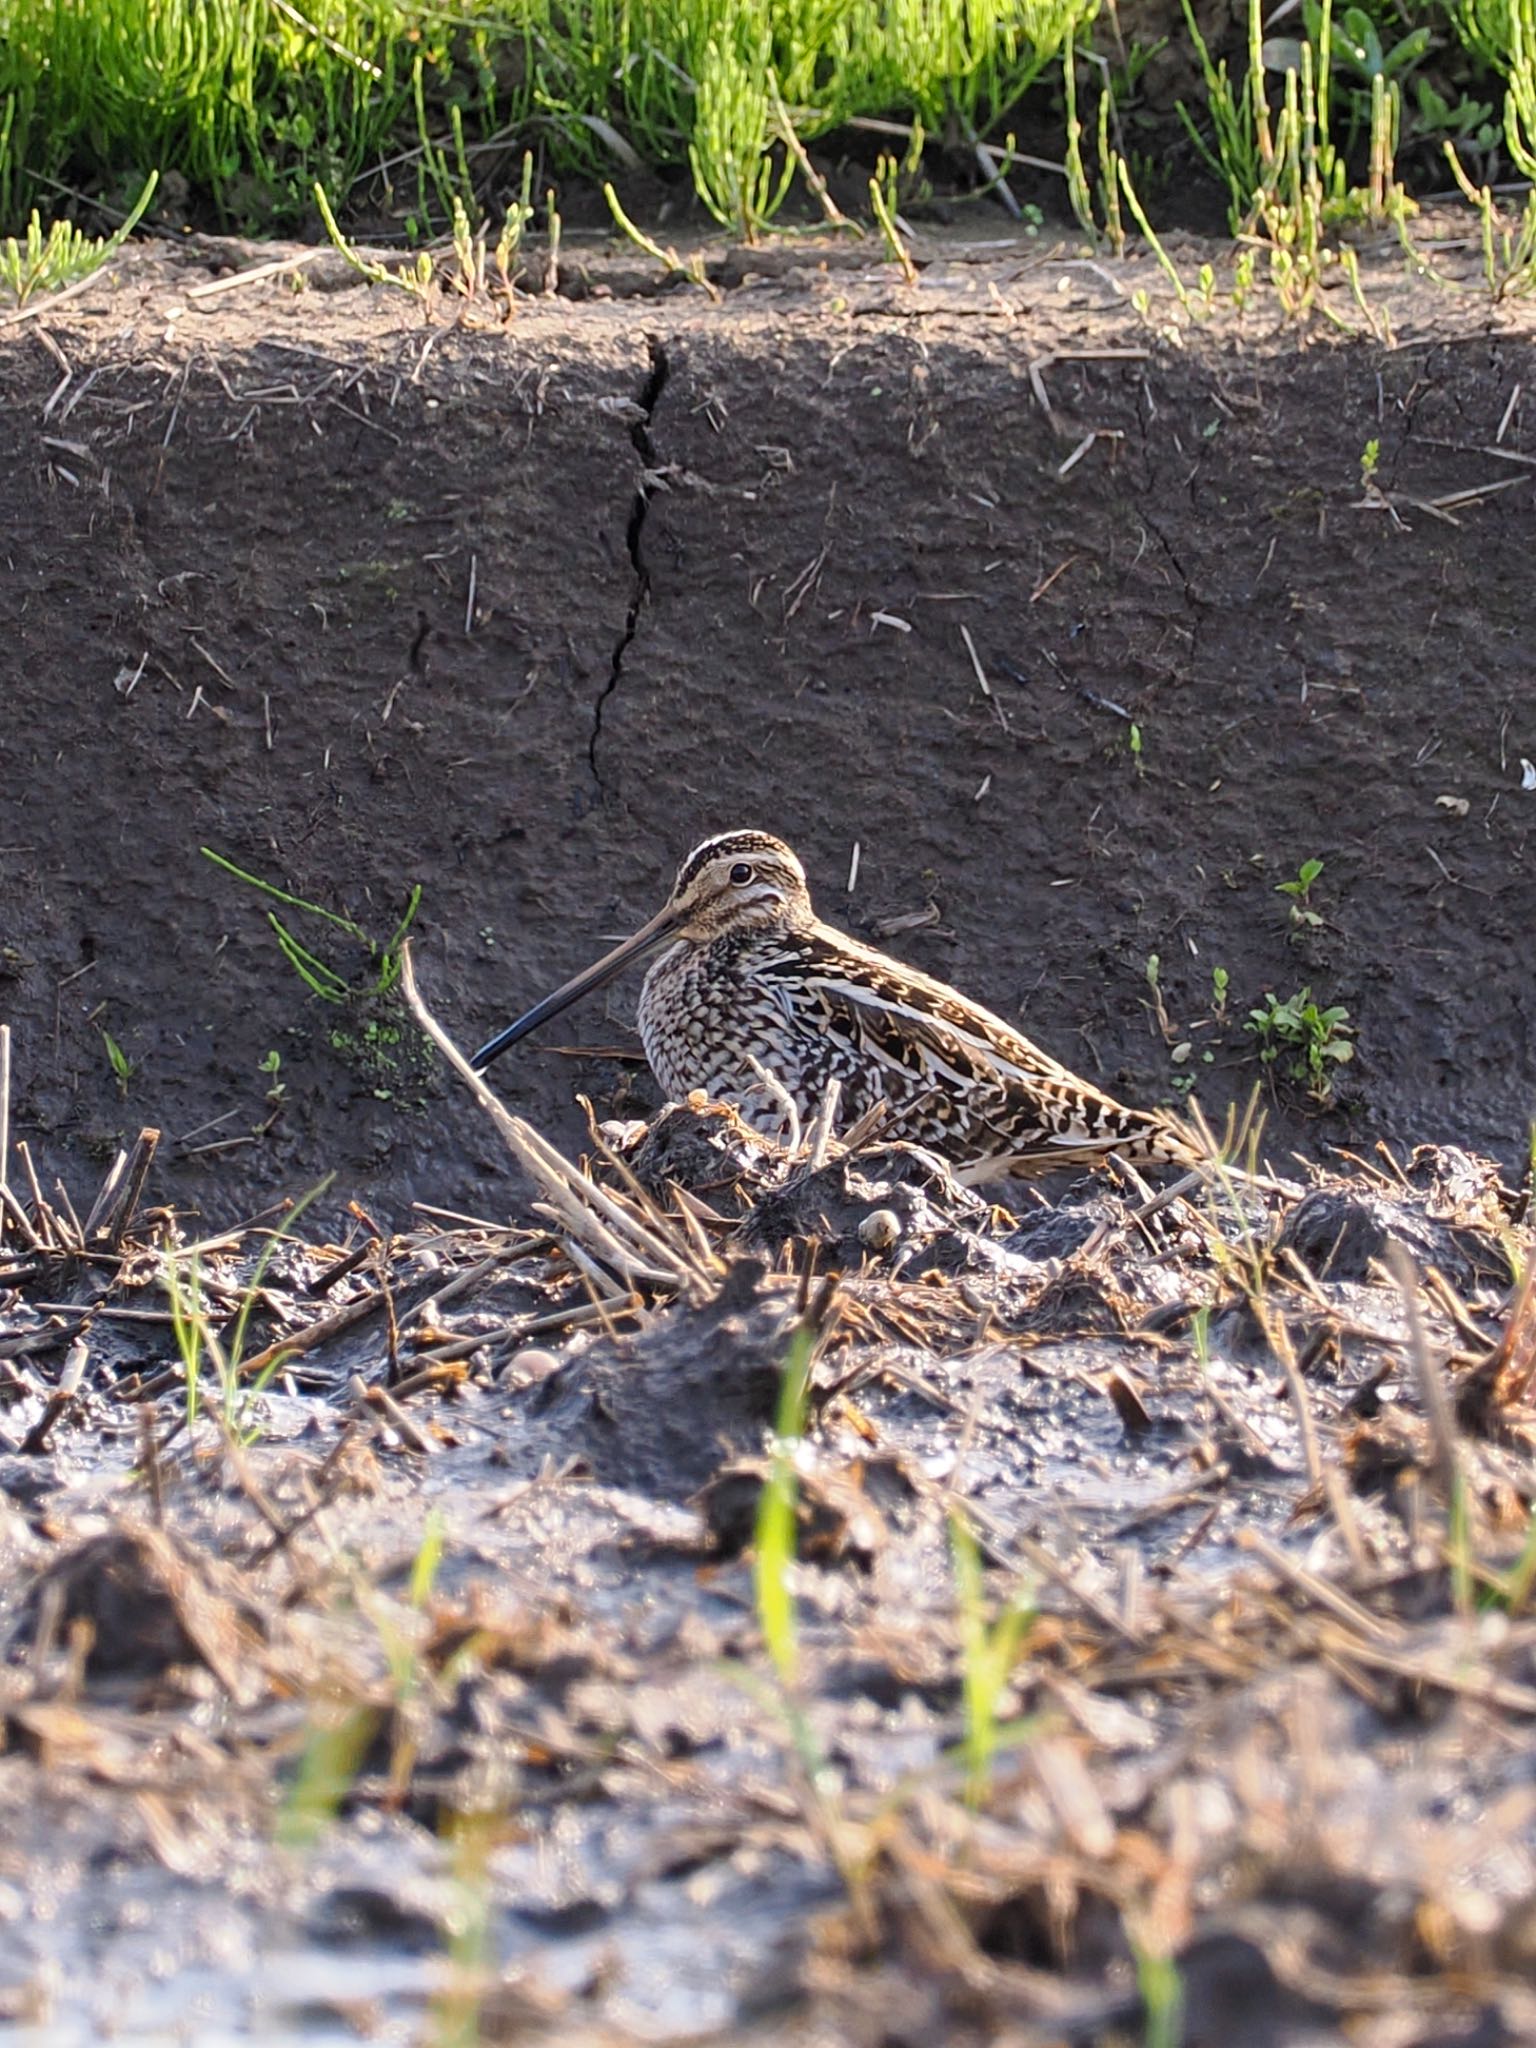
(318, 975)
(670, 261)
(1162, 1997)
(882, 204)
(415, 278)
(774, 1543)
(47, 263)
(988, 1654)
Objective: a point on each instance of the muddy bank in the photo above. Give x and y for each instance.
(1085, 640)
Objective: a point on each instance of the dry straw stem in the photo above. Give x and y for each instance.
(630, 1241)
(1319, 1590)
(1517, 1348)
(1438, 1412)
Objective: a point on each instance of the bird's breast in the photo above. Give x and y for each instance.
(707, 1013)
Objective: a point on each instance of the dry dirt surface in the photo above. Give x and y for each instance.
(362, 601)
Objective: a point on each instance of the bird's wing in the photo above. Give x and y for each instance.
(910, 1037)
(1010, 1094)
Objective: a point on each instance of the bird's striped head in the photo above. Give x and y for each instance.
(735, 882)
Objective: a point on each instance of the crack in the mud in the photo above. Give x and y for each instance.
(648, 398)
(1194, 604)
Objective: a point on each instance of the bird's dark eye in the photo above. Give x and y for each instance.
(742, 872)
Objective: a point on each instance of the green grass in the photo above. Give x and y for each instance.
(774, 1546)
(253, 102)
(320, 976)
(418, 122)
(197, 1342)
(989, 1651)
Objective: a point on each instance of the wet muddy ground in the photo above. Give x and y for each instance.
(415, 1686)
(416, 1689)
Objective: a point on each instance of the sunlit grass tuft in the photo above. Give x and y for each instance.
(37, 262)
(775, 1546)
(254, 102)
(988, 1654)
(197, 1342)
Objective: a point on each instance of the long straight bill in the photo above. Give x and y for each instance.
(660, 927)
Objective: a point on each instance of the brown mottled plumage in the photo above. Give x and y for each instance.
(753, 983)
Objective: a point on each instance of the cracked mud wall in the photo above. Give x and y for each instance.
(641, 413)
(721, 561)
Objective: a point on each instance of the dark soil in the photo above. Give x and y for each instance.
(720, 557)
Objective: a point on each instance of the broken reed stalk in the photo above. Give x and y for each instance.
(1433, 1393)
(47, 1223)
(1517, 1347)
(1320, 1591)
(62, 1397)
(596, 1226)
(1278, 1338)
(820, 1135)
(112, 1211)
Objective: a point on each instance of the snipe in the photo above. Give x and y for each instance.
(753, 982)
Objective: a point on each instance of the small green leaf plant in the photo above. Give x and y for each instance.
(1299, 891)
(1312, 1041)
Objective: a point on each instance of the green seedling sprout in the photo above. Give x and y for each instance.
(1299, 891)
(338, 1738)
(117, 1060)
(1162, 1997)
(988, 1653)
(195, 1336)
(774, 1544)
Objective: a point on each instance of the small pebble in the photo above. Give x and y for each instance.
(880, 1229)
(527, 1366)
